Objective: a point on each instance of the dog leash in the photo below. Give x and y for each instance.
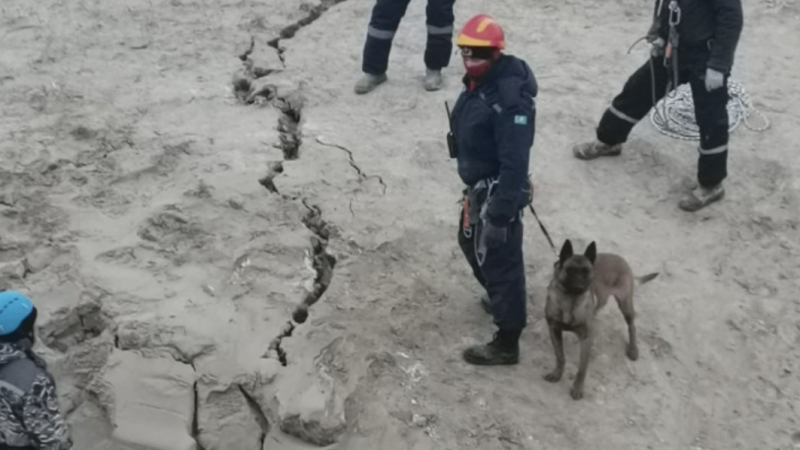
(544, 230)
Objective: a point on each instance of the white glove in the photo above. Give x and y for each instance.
(714, 79)
(657, 48)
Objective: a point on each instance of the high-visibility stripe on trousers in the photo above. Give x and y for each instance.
(635, 100)
(386, 16)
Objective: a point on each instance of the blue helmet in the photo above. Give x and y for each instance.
(14, 309)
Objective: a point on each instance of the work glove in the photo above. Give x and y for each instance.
(656, 47)
(494, 236)
(714, 79)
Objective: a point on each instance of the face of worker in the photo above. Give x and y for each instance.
(477, 60)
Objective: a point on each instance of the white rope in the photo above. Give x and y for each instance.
(674, 114)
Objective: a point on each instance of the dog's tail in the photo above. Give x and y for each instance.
(644, 279)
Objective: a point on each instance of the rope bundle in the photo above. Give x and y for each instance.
(674, 114)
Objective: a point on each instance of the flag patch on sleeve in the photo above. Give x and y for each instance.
(520, 120)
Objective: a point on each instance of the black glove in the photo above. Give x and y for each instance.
(495, 235)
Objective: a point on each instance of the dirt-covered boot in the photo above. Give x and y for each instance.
(368, 82)
(701, 197)
(433, 80)
(503, 349)
(595, 149)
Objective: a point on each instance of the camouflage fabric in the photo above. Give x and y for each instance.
(29, 414)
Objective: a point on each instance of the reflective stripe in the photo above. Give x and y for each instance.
(622, 115)
(713, 151)
(12, 388)
(484, 183)
(497, 108)
(440, 30)
(379, 34)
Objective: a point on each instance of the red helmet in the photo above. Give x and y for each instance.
(481, 31)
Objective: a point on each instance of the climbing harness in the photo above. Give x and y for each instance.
(674, 114)
(478, 246)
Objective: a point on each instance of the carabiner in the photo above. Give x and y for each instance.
(674, 13)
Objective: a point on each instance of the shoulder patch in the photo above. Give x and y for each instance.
(520, 119)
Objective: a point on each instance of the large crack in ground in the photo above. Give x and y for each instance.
(323, 264)
(288, 32)
(258, 413)
(252, 87)
(196, 413)
(246, 88)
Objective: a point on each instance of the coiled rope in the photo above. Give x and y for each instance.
(674, 115)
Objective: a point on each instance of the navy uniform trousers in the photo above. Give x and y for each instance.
(386, 16)
(710, 109)
(501, 272)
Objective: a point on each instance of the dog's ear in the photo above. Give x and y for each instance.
(566, 251)
(591, 252)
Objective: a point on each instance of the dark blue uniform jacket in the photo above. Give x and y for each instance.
(719, 22)
(493, 126)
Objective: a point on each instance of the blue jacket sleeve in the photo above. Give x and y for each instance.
(514, 133)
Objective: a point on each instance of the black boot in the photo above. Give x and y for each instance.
(503, 349)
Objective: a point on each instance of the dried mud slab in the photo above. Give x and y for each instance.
(153, 401)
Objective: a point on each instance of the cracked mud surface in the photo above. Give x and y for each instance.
(231, 250)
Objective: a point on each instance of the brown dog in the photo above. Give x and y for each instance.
(580, 286)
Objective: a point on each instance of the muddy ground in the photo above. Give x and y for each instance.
(169, 227)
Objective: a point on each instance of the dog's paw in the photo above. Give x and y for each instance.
(553, 376)
(632, 352)
(576, 392)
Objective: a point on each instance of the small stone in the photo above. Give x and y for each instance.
(40, 258)
(8, 198)
(12, 270)
(314, 415)
(419, 421)
(78, 179)
(263, 61)
(235, 203)
(300, 314)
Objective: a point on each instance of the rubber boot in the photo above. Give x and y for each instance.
(503, 349)
(368, 82)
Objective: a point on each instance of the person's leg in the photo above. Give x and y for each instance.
(711, 115)
(466, 241)
(629, 107)
(439, 46)
(504, 271)
(383, 24)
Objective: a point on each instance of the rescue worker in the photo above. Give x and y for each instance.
(493, 124)
(29, 414)
(691, 42)
(383, 24)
